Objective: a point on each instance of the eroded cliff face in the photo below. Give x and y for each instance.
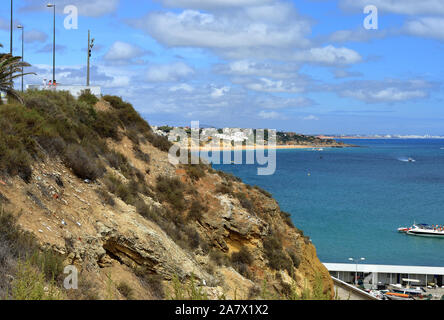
(111, 241)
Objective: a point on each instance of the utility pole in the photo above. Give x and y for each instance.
(90, 46)
(23, 48)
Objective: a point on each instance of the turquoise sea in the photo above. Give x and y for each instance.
(351, 201)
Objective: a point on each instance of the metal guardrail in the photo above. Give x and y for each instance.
(353, 289)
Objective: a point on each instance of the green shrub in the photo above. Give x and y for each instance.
(277, 259)
(152, 281)
(242, 256)
(82, 164)
(287, 218)
(106, 197)
(50, 263)
(87, 97)
(219, 258)
(223, 188)
(245, 202)
(171, 190)
(264, 192)
(160, 142)
(125, 290)
(295, 258)
(196, 210)
(29, 284)
(141, 155)
(195, 171)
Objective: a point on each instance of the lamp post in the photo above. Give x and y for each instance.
(50, 5)
(11, 39)
(12, 29)
(23, 47)
(356, 260)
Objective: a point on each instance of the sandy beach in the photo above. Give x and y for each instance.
(242, 148)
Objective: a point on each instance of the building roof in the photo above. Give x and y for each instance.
(379, 268)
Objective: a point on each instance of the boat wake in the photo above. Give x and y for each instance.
(407, 159)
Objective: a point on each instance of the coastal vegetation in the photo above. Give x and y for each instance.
(104, 153)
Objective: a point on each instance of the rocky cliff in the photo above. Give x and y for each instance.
(93, 184)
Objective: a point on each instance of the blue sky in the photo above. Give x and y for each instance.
(308, 66)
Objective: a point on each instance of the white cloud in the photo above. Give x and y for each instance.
(168, 72)
(426, 19)
(430, 27)
(310, 118)
(405, 7)
(250, 31)
(87, 8)
(271, 115)
(199, 4)
(268, 85)
(182, 86)
(219, 92)
(389, 91)
(329, 55)
(384, 95)
(248, 67)
(123, 52)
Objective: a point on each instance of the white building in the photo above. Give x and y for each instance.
(373, 275)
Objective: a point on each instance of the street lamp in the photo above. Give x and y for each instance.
(12, 28)
(49, 5)
(23, 47)
(11, 40)
(356, 260)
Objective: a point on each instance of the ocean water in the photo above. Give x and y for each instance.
(351, 201)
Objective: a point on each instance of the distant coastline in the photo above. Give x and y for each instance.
(266, 147)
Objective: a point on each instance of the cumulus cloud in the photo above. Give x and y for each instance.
(271, 115)
(213, 4)
(387, 91)
(426, 19)
(310, 118)
(405, 7)
(329, 55)
(248, 67)
(124, 53)
(268, 85)
(87, 8)
(251, 30)
(430, 27)
(168, 72)
(182, 86)
(219, 92)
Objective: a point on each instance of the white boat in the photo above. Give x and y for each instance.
(425, 230)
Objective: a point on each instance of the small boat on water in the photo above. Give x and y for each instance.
(424, 230)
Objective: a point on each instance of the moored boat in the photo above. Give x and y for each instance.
(424, 230)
